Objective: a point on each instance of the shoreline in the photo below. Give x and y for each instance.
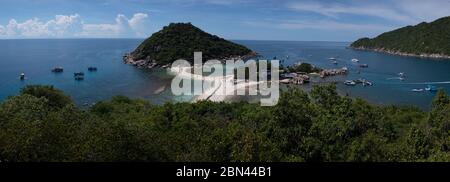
(398, 53)
(149, 63)
(217, 92)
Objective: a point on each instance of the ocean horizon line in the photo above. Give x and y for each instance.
(113, 38)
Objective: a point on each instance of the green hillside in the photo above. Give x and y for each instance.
(181, 40)
(424, 38)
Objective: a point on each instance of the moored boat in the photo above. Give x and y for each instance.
(79, 77)
(355, 60)
(78, 74)
(431, 88)
(92, 69)
(417, 90)
(58, 70)
(367, 83)
(22, 76)
(350, 83)
(364, 65)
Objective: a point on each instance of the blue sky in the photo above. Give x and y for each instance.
(321, 20)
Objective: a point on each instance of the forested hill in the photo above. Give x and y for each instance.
(425, 39)
(181, 40)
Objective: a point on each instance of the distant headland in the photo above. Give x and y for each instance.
(431, 40)
(180, 41)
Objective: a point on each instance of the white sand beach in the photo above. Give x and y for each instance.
(220, 87)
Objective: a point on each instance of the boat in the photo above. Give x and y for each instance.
(79, 77)
(332, 59)
(417, 90)
(359, 81)
(92, 69)
(367, 83)
(350, 83)
(364, 65)
(355, 60)
(58, 70)
(335, 62)
(431, 88)
(22, 76)
(401, 74)
(78, 74)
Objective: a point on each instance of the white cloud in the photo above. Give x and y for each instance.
(123, 27)
(2, 30)
(332, 25)
(399, 11)
(34, 28)
(335, 9)
(138, 23)
(420, 10)
(213, 2)
(74, 26)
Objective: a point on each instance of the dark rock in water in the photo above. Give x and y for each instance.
(180, 41)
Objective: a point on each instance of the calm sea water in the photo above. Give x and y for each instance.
(37, 57)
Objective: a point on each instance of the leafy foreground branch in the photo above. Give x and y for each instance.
(42, 124)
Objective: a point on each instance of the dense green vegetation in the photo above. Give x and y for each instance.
(41, 125)
(303, 67)
(424, 38)
(181, 40)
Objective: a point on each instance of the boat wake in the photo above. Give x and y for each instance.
(429, 83)
(394, 78)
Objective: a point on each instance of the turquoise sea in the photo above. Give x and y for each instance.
(36, 58)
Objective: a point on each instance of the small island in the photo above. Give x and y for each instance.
(431, 40)
(180, 41)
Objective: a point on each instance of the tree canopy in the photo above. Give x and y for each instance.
(315, 126)
(181, 40)
(424, 38)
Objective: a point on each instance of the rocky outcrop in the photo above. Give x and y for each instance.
(142, 63)
(150, 63)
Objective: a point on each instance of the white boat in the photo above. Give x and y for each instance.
(401, 74)
(22, 76)
(335, 62)
(417, 90)
(431, 88)
(367, 83)
(332, 58)
(350, 83)
(355, 60)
